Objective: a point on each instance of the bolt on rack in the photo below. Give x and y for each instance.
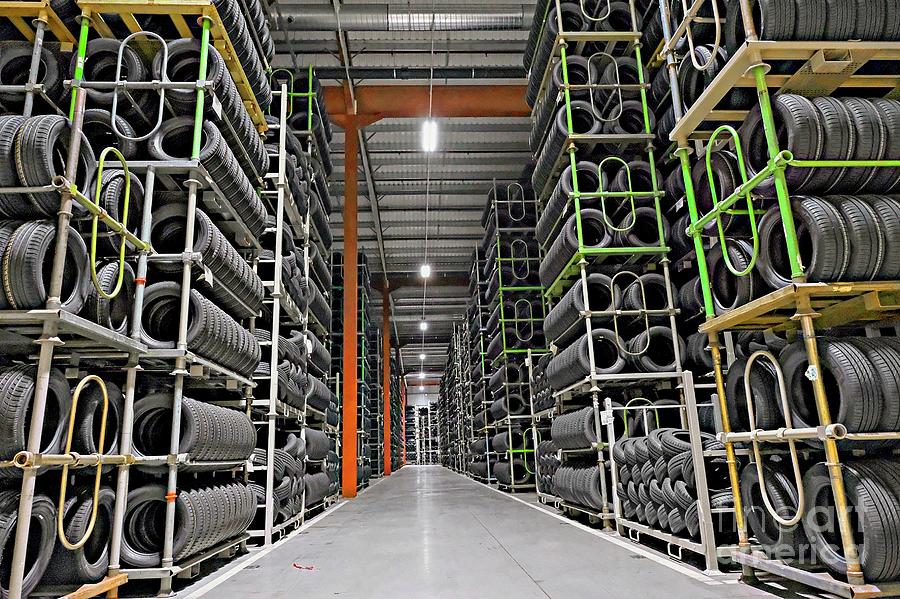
(801, 307)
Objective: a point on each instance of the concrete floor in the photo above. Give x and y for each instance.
(426, 532)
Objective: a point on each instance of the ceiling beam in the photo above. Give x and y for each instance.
(410, 101)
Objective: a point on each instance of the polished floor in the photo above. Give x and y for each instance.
(426, 532)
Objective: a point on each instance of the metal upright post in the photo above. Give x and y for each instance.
(386, 376)
(181, 365)
(126, 437)
(39, 28)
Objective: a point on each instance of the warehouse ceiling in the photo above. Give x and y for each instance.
(388, 43)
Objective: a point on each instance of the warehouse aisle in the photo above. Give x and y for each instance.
(428, 533)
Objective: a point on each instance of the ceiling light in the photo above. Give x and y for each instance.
(429, 135)
(421, 387)
(425, 271)
(422, 375)
(423, 326)
(422, 357)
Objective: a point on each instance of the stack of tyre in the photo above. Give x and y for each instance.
(513, 326)
(845, 217)
(51, 562)
(863, 378)
(289, 466)
(576, 477)
(547, 464)
(656, 483)
(321, 466)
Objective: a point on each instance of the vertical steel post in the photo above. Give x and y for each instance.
(351, 310)
(140, 284)
(39, 29)
(181, 371)
(386, 376)
(272, 412)
(806, 314)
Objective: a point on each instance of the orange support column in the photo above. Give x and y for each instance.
(386, 377)
(351, 312)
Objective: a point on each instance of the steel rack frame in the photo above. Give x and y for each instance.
(311, 238)
(629, 261)
(707, 547)
(520, 291)
(178, 12)
(62, 336)
(826, 67)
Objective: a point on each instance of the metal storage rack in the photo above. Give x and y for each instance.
(622, 263)
(453, 403)
(811, 68)
(294, 220)
(369, 413)
(57, 323)
(64, 338)
(514, 329)
(477, 314)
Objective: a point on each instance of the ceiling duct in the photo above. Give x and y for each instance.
(381, 17)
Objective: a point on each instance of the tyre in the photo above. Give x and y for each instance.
(90, 562)
(38, 141)
(25, 260)
(823, 240)
(16, 395)
(855, 395)
(774, 538)
(41, 538)
(871, 489)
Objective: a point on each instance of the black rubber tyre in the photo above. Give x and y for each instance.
(40, 142)
(855, 394)
(99, 132)
(871, 489)
(656, 348)
(16, 394)
(763, 384)
(27, 260)
(774, 538)
(823, 239)
(100, 60)
(800, 130)
(90, 562)
(41, 539)
(114, 314)
(866, 236)
(573, 363)
(12, 204)
(729, 291)
(15, 65)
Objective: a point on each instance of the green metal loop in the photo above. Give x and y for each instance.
(715, 200)
(96, 219)
(630, 196)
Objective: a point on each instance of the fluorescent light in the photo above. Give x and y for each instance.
(422, 357)
(429, 135)
(425, 271)
(423, 326)
(422, 375)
